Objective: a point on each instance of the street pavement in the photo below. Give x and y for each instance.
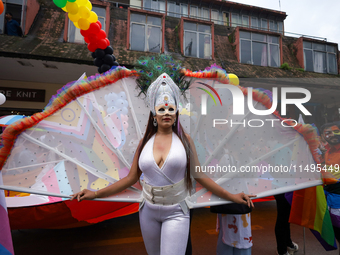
(122, 236)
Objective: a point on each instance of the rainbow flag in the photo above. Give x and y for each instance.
(6, 245)
(309, 209)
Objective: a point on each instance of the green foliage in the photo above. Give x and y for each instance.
(300, 69)
(285, 66)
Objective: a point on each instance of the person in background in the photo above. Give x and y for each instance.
(12, 27)
(331, 133)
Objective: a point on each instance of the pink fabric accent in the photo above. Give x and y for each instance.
(5, 231)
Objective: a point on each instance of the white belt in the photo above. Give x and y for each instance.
(166, 195)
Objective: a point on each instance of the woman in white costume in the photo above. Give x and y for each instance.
(163, 156)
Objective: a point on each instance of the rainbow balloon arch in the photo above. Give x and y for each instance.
(81, 14)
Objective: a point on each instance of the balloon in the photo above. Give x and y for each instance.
(76, 24)
(89, 5)
(72, 8)
(92, 47)
(2, 99)
(71, 1)
(100, 53)
(94, 28)
(107, 42)
(81, 2)
(1, 7)
(109, 50)
(59, 3)
(73, 17)
(115, 63)
(105, 68)
(93, 54)
(83, 24)
(99, 70)
(84, 12)
(101, 34)
(99, 24)
(87, 40)
(84, 33)
(122, 94)
(98, 62)
(93, 17)
(64, 8)
(108, 59)
(92, 37)
(102, 44)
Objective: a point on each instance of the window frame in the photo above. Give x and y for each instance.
(313, 50)
(23, 14)
(201, 22)
(144, 12)
(251, 40)
(261, 27)
(251, 22)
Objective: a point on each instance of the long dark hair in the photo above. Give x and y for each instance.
(179, 131)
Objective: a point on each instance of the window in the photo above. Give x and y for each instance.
(15, 7)
(145, 33)
(259, 49)
(154, 5)
(320, 58)
(205, 14)
(280, 25)
(184, 10)
(177, 10)
(197, 40)
(225, 19)
(173, 9)
(235, 20)
(264, 24)
(74, 35)
(136, 4)
(193, 11)
(254, 22)
(273, 26)
(215, 17)
(245, 21)
(276, 26)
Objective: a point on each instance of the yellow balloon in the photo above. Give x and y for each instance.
(93, 17)
(81, 2)
(83, 24)
(76, 24)
(64, 9)
(84, 12)
(89, 5)
(74, 17)
(72, 7)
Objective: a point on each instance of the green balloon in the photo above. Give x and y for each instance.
(71, 1)
(60, 3)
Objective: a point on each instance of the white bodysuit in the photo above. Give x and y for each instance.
(165, 227)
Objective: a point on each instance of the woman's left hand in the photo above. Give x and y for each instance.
(242, 198)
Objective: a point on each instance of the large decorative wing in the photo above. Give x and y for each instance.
(89, 142)
(263, 155)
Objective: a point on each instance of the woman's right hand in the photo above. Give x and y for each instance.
(84, 194)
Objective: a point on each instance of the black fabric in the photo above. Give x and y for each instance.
(282, 226)
(337, 233)
(333, 188)
(189, 245)
(231, 209)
